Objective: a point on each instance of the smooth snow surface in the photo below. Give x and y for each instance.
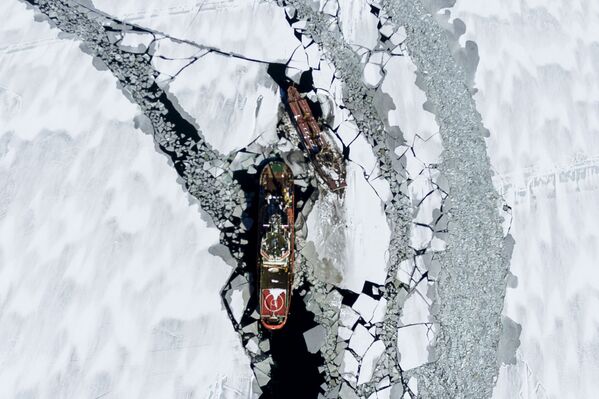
(539, 95)
(97, 297)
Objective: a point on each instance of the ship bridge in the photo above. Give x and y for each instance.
(275, 247)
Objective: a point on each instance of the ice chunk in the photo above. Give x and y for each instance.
(136, 42)
(416, 308)
(412, 343)
(379, 311)
(252, 345)
(349, 367)
(358, 24)
(427, 206)
(408, 114)
(348, 317)
(367, 231)
(428, 151)
(313, 54)
(413, 385)
(344, 333)
(414, 166)
(314, 338)
(365, 306)
(369, 361)
(384, 393)
(373, 74)
(348, 131)
(360, 340)
(420, 236)
(405, 271)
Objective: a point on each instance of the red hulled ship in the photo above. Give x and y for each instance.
(276, 240)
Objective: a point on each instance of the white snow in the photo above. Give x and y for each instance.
(538, 94)
(98, 297)
(66, 81)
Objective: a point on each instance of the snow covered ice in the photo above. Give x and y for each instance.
(458, 262)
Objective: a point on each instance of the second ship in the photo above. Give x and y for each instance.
(325, 157)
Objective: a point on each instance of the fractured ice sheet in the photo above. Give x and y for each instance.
(232, 100)
(251, 344)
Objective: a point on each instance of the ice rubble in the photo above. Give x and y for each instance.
(546, 166)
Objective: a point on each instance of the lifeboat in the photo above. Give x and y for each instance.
(276, 241)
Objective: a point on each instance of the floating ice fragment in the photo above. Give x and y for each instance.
(369, 361)
(360, 340)
(365, 306)
(315, 338)
(348, 317)
(349, 367)
(412, 343)
(379, 311)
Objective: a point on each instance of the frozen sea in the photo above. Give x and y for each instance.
(538, 82)
(109, 279)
